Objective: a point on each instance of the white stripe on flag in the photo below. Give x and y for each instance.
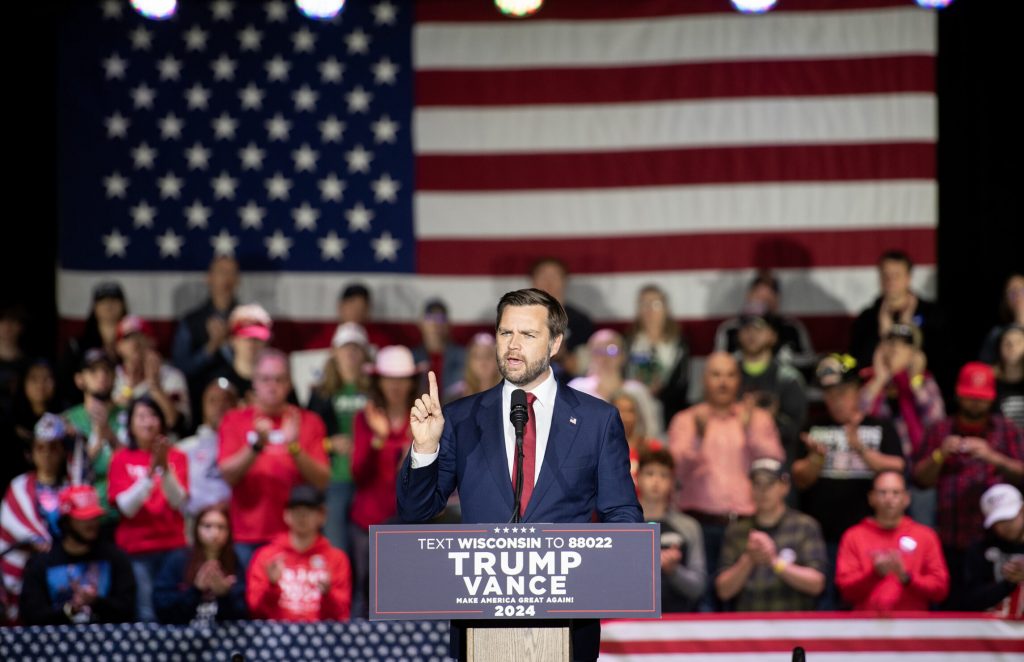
(908, 117)
(609, 212)
(662, 40)
(471, 300)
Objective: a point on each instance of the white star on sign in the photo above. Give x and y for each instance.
(357, 41)
(115, 243)
(359, 218)
(198, 215)
(169, 68)
(277, 69)
(117, 126)
(170, 127)
(143, 156)
(497, 529)
(141, 38)
(305, 217)
(305, 99)
(385, 189)
(278, 245)
(116, 185)
(249, 39)
(384, 13)
(358, 159)
(331, 129)
(251, 96)
(331, 70)
(515, 530)
(252, 157)
(114, 66)
(331, 188)
(277, 12)
(252, 215)
(142, 96)
(358, 100)
(304, 40)
(224, 243)
(332, 247)
(195, 39)
(224, 127)
(197, 97)
(305, 158)
(170, 244)
(533, 530)
(278, 187)
(224, 186)
(111, 9)
(223, 68)
(385, 72)
(384, 130)
(170, 186)
(506, 529)
(278, 127)
(143, 214)
(222, 10)
(198, 157)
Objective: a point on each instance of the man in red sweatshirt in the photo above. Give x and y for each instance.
(890, 562)
(299, 576)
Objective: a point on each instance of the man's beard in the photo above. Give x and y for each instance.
(531, 372)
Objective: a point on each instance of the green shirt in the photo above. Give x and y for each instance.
(79, 419)
(346, 403)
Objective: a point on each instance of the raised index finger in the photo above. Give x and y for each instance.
(435, 402)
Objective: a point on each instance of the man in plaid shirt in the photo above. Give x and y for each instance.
(775, 560)
(964, 455)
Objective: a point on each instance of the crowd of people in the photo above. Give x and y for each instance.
(194, 486)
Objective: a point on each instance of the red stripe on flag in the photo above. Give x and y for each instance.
(484, 10)
(741, 250)
(705, 80)
(498, 172)
(813, 645)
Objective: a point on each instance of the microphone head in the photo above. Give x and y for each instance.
(519, 414)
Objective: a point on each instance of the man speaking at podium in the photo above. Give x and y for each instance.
(575, 457)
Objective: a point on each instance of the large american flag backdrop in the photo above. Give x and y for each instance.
(437, 148)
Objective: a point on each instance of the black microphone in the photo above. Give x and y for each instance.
(798, 654)
(519, 413)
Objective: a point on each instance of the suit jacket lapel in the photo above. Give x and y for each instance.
(560, 441)
(491, 433)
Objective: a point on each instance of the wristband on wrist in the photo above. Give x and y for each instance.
(780, 565)
(938, 457)
(294, 448)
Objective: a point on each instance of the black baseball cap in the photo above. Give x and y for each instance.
(107, 290)
(305, 495)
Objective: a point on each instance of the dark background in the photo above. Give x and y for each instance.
(981, 214)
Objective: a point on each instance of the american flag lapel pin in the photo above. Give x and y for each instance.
(572, 420)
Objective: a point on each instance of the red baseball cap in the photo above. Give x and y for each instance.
(977, 380)
(132, 324)
(80, 502)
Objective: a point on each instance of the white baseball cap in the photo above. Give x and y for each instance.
(350, 332)
(1000, 503)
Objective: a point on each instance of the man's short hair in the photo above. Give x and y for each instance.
(544, 261)
(273, 354)
(768, 280)
(896, 255)
(659, 456)
(883, 472)
(354, 290)
(558, 321)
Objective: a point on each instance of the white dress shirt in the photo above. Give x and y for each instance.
(543, 411)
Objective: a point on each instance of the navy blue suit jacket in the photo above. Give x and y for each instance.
(585, 466)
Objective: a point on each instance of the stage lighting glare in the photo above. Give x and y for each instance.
(158, 10)
(322, 10)
(518, 8)
(753, 6)
(934, 4)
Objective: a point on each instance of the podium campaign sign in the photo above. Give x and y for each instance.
(494, 571)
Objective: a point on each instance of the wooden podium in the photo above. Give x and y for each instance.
(539, 644)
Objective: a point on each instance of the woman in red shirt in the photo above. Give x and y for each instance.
(147, 484)
(381, 439)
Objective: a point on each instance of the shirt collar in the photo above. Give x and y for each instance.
(545, 391)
